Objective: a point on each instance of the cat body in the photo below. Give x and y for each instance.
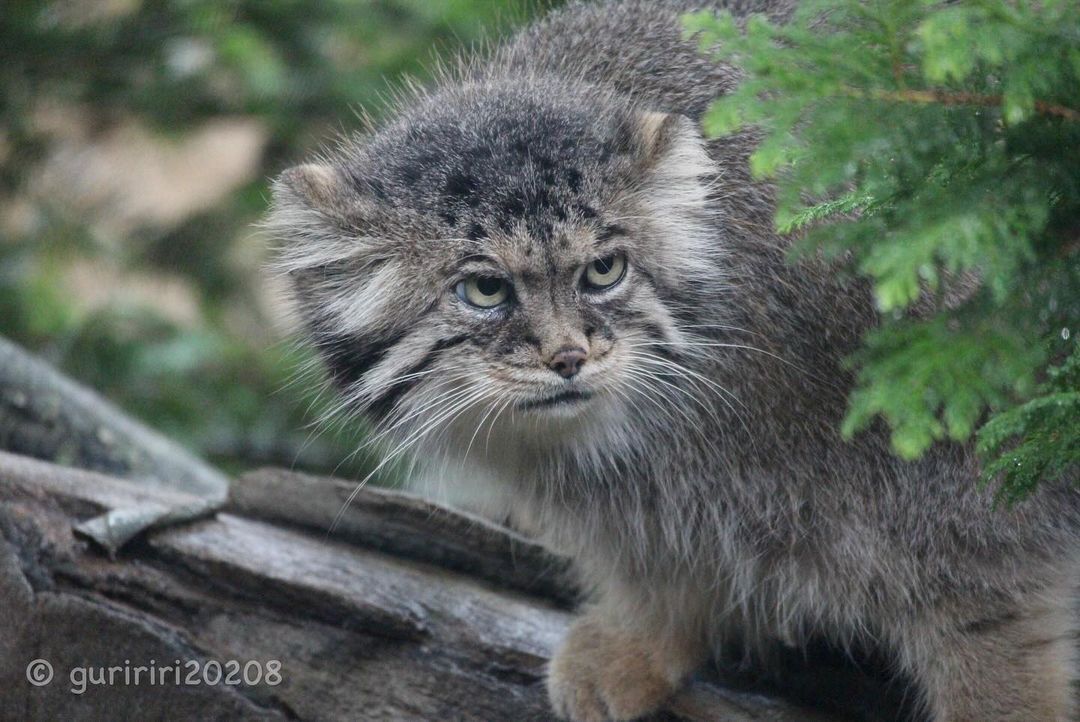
(540, 273)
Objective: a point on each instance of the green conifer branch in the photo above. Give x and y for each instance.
(938, 142)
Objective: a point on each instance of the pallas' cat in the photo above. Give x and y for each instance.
(540, 270)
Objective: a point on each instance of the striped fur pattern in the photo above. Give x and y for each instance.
(695, 473)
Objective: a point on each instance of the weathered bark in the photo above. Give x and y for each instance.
(430, 615)
(46, 415)
(404, 525)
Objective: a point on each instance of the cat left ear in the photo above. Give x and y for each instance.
(663, 136)
(318, 186)
(670, 151)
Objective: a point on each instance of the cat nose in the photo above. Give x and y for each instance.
(568, 361)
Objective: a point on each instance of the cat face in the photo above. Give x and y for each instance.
(500, 258)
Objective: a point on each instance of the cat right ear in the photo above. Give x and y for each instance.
(317, 215)
(320, 187)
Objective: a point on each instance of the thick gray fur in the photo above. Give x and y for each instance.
(703, 491)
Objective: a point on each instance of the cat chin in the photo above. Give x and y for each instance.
(563, 410)
(553, 416)
(508, 443)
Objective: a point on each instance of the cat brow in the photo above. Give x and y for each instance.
(478, 259)
(610, 231)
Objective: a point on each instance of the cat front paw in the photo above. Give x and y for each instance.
(599, 675)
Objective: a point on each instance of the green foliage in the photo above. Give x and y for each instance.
(933, 148)
(1048, 430)
(219, 382)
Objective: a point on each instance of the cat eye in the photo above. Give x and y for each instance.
(605, 272)
(483, 291)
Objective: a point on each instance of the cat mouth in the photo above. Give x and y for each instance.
(563, 398)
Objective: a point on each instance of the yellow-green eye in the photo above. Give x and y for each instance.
(483, 291)
(605, 272)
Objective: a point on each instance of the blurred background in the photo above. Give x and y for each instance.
(137, 140)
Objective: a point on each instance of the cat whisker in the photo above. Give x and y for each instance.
(646, 386)
(380, 435)
(684, 370)
(404, 446)
(721, 327)
(677, 388)
(694, 378)
(719, 344)
(491, 426)
(479, 426)
(444, 397)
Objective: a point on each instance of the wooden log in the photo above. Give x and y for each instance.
(405, 525)
(386, 622)
(46, 415)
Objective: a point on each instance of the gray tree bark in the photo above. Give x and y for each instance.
(46, 415)
(436, 616)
